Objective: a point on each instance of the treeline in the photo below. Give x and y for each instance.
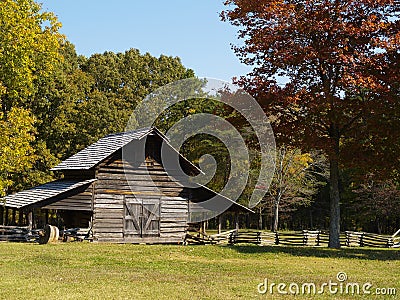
(55, 102)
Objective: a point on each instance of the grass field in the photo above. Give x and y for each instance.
(105, 271)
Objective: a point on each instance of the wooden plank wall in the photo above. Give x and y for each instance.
(112, 188)
(81, 201)
(174, 218)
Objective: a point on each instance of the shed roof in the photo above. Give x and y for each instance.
(100, 150)
(43, 192)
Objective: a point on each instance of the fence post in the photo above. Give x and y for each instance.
(347, 238)
(258, 237)
(305, 237)
(318, 237)
(232, 237)
(276, 238)
(362, 239)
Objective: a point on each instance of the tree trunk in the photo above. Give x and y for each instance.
(236, 220)
(378, 226)
(260, 219)
(334, 226)
(275, 217)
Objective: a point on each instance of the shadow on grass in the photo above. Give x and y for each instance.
(351, 253)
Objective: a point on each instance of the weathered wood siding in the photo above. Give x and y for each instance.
(113, 192)
(82, 201)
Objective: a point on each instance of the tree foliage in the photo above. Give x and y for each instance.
(29, 42)
(66, 101)
(88, 98)
(340, 59)
(377, 202)
(29, 54)
(16, 152)
(293, 184)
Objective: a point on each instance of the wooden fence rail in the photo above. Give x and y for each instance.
(24, 234)
(314, 238)
(301, 238)
(17, 234)
(362, 239)
(396, 239)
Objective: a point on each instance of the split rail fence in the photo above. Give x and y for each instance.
(302, 238)
(24, 234)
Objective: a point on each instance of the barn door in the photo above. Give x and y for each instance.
(142, 217)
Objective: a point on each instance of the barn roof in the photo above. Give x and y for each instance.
(223, 200)
(43, 192)
(103, 148)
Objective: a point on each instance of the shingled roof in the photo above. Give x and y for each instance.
(100, 150)
(43, 192)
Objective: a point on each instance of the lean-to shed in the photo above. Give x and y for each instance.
(135, 200)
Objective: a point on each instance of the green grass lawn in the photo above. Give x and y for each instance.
(110, 271)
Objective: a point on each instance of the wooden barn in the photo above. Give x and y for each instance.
(154, 207)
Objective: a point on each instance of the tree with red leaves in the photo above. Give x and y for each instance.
(340, 59)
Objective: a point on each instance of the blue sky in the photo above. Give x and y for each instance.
(190, 29)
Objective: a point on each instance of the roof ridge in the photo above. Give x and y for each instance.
(129, 132)
(93, 154)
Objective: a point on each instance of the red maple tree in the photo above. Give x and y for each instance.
(340, 60)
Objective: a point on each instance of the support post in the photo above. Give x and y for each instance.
(14, 216)
(236, 220)
(204, 227)
(20, 218)
(1, 215)
(30, 220)
(6, 217)
(219, 224)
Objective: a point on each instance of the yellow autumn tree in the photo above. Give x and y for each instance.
(293, 181)
(16, 151)
(29, 55)
(29, 43)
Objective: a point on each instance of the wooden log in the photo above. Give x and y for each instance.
(102, 228)
(113, 235)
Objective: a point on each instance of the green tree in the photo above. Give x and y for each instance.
(293, 182)
(119, 82)
(59, 100)
(29, 55)
(87, 98)
(16, 152)
(29, 42)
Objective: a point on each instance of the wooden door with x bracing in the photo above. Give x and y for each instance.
(142, 217)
